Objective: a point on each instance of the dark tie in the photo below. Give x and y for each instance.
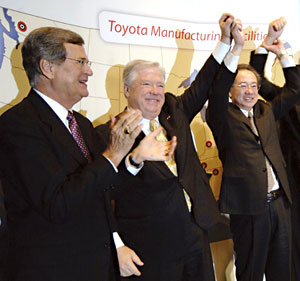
(76, 133)
(170, 163)
(268, 165)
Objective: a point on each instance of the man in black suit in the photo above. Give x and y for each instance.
(289, 136)
(57, 184)
(164, 216)
(3, 239)
(255, 190)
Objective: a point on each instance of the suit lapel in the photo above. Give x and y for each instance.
(240, 116)
(260, 123)
(58, 130)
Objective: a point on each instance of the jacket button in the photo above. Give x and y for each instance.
(264, 170)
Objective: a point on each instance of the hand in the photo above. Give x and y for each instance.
(277, 48)
(238, 36)
(127, 260)
(275, 30)
(124, 128)
(151, 149)
(225, 25)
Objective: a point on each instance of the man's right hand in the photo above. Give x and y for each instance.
(225, 25)
(275, 30)
(124, 129)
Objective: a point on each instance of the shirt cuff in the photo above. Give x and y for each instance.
(117, 240)
(115, 168)
(220, 51)
(287, 62)
(231, 62)
(130, 168)
(261, 50)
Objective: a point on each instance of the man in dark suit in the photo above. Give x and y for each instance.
(3, 239)
(164, 216)
(57, 184)
(289, 136)
(255, 190)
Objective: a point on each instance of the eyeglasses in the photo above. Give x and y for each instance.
(244, 86)
(82, 62)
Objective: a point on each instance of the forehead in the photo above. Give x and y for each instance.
(150, 73)
(245, 75)
(74, 50)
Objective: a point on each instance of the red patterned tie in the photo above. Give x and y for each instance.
(75, 130)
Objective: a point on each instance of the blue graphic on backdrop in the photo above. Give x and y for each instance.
(12, 33)
(187, 82)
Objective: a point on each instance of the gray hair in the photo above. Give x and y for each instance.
(132, 68)
(47, 43)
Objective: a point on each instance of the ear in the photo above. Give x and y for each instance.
(126, 91)
(47, 68)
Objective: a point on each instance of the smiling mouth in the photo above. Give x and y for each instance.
(84, 82)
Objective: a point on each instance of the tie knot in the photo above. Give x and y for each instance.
(250, 115)
(70, 116)
(153, 125)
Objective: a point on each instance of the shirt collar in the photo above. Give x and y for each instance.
(59, 110)
(146, 125)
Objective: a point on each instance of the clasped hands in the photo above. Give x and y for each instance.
(124, 128)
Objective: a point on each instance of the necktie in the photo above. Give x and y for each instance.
(268, 165)
(76, 133)
(170, 163)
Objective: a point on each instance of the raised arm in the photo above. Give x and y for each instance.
(219, 92)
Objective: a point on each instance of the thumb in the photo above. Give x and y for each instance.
(156, 132)
(113, 120)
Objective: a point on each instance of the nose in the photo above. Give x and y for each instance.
(88, 70)
(249, 89)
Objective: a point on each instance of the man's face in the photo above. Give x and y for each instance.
(70, 77)
(147, 92)
(244, 91)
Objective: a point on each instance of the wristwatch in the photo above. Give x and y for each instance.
(136, 165)
(283, 53)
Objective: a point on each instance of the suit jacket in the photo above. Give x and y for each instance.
(289, 125)
(3, 238)
(244, 181)
(56, 201)
(153, 218)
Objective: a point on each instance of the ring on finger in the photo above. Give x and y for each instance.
(126, 130)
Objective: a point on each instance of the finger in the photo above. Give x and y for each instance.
(125, 118)
(136, 131)
(137, 260)
(133, 270)
(134, 122)
(225, 17)
(172, 147)
(156, 132)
